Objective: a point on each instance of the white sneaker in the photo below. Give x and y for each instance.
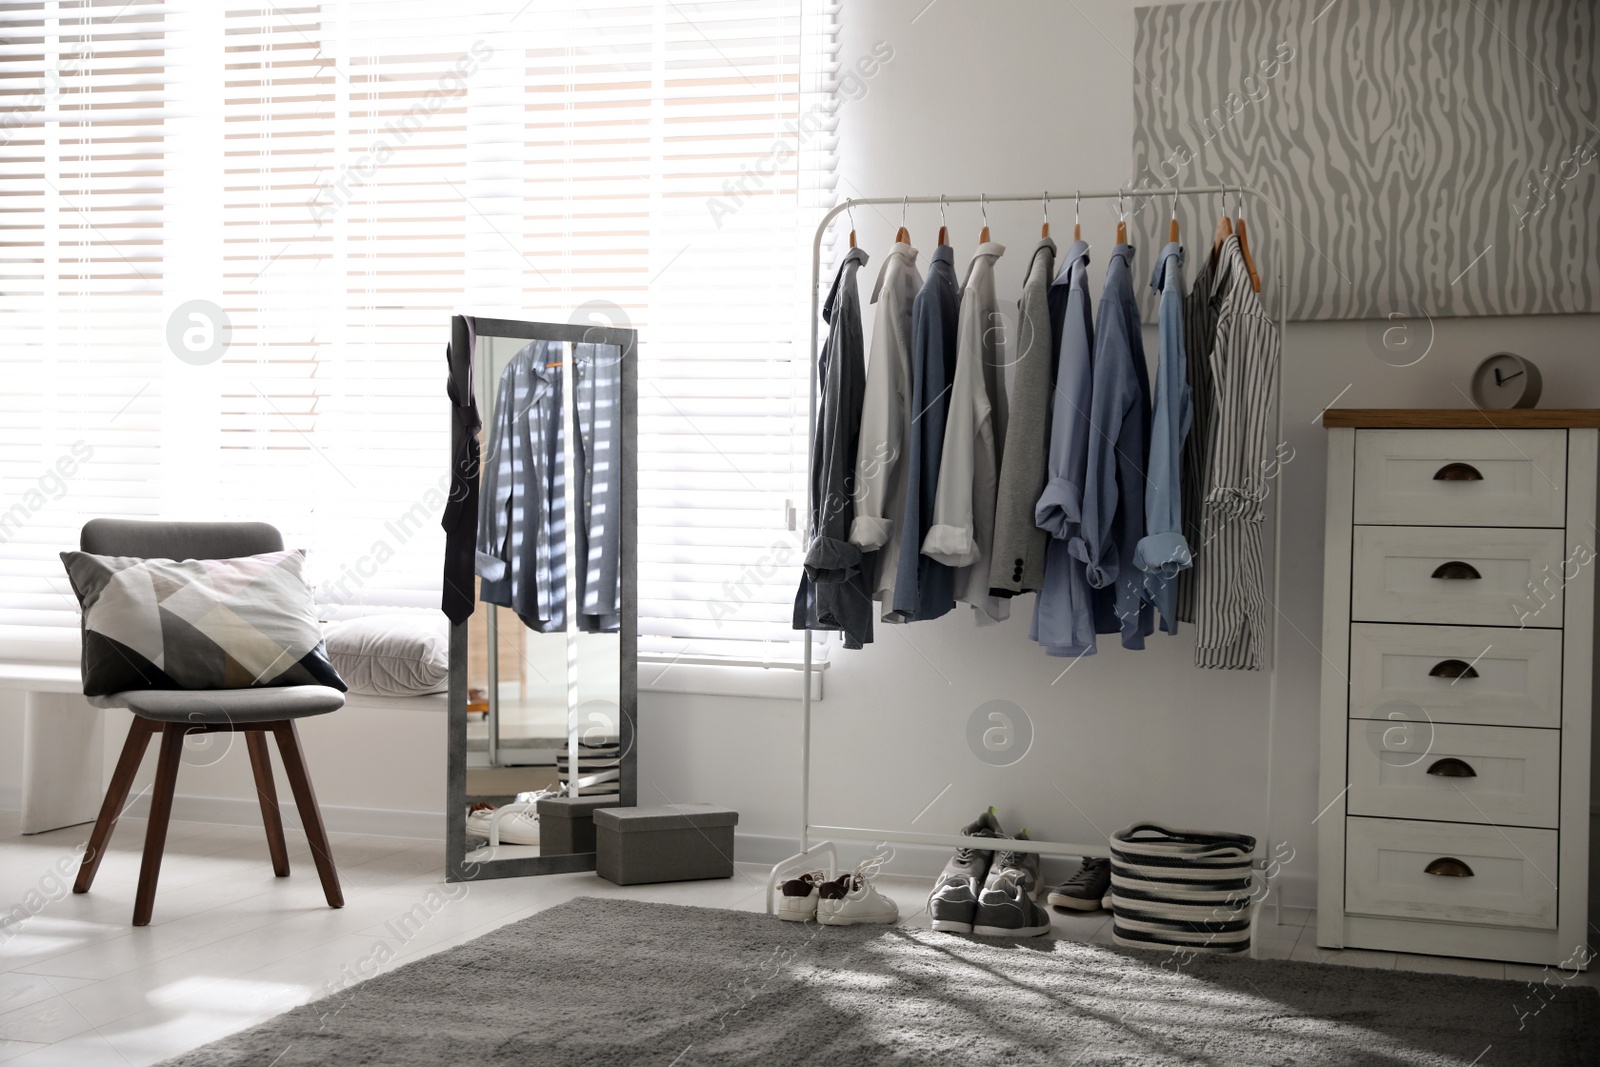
(797, 900)
(478, 820)
(852, 898)
(510, 824)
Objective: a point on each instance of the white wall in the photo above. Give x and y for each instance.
(1014, 96)
(1017, 97)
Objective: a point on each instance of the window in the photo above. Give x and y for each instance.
(235, 233)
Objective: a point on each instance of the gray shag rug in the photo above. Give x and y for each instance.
(605, 982)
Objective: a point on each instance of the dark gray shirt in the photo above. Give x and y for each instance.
(833, 592)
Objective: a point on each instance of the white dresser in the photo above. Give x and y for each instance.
(1457, 682)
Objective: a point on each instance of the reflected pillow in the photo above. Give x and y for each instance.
(238, 623)
(396, 655)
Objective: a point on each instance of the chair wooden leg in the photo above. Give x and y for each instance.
(267, 794)
(305, 799)
(155, 835)
(116, 796)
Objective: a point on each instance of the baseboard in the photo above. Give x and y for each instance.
(234, 811)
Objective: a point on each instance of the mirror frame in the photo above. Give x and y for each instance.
(457, 867)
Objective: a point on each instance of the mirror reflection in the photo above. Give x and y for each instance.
(543, 670)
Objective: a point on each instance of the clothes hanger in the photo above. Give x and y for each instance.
(1122, 221)
(1224, 230)
(1077, 228)
(1244, 246)
(902, 236)
(1044, 231)
(944, 231)
(1172, 230)
(848, 210)
(983, 201)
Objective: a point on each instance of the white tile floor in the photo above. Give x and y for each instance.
(231, 946)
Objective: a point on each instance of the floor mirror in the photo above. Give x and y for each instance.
(543, 676)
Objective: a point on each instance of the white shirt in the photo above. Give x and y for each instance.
(885, 422)
(962, 534)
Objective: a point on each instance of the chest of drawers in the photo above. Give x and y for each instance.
(1457, 683)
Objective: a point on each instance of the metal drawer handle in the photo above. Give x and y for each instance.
(1457, 472)
(1452, 668)
(1450, 767)
(1456, 569)
(1448, 867)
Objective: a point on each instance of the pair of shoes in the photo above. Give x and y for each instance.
(846, 900)
(989, 893)
(518, 822)
(1087, 890)
(1006, 907)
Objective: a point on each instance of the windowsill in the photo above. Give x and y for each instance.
(769, 682)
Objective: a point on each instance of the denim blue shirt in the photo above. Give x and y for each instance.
(1119, 421)
(925, 588)
(522, 548)
(1064, 612)
(1164, 552)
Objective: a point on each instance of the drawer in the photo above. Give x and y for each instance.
(1477, 774)
(1504, 876)
(1461, 477)
(1464, 575)
(1467, 674)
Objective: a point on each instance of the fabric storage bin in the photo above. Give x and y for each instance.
(1181, 889)
(665, 843)
(566, 824)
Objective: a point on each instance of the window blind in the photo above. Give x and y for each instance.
(235, 234)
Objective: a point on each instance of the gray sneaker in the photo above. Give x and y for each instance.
(1006, 907)
(1086, 890)
(954, 900)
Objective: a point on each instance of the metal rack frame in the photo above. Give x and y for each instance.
(826, 847)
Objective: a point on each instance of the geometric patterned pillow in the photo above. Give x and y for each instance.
(197, 624)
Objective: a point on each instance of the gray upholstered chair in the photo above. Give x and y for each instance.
(173, 713)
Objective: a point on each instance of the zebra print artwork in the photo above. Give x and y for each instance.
(1434, 157)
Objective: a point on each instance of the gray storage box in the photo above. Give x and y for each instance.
(667, 843)
(566, 824)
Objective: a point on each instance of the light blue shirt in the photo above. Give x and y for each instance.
(1063, 612)
(1119, 420)
(1164, 552)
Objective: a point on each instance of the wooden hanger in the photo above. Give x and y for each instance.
(1122, 221)
(1172, 230)
(1077, 228)
(1224, 230)
(983, 235)
(902, 236)
(852, 214)
(1244, 247)
(1044, 230)
(944, 231)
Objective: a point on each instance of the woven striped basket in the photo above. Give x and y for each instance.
(1181, 889)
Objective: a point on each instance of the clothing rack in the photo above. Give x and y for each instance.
(826, 847)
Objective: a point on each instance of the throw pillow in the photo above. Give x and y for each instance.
(197, 623)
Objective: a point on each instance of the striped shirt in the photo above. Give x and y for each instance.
(1231, 601)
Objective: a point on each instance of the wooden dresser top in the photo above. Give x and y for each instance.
(1463, 418)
